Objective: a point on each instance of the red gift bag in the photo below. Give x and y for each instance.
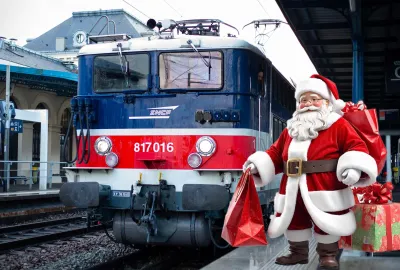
(244, 224)
(365, 122)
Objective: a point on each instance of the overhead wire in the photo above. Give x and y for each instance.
(263, 8)
(136, 9)
(173, 8)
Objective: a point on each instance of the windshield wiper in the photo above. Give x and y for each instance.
(124, 68)
(208, 64)
(195, 49)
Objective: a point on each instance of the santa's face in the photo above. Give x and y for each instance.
(310, 117)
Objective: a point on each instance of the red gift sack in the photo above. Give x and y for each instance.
(365, 122)
(244, 224)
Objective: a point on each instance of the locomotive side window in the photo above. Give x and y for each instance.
(114, 74)
(262, 80)
(278, 126)
(191, 70)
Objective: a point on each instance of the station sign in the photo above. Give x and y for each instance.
(393, 73)
(389, 115)
(16, 126)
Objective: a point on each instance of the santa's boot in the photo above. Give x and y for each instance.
(298, 254)
(327, 255)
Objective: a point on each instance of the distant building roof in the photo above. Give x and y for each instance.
(66, 33)
(12, 54)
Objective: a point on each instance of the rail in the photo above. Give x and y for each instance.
(35, 233)
(25, 175)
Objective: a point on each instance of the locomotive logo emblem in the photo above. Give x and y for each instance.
(157, 113)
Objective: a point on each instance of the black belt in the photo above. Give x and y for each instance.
(295, 167)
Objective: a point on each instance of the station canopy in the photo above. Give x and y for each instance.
(328, 31)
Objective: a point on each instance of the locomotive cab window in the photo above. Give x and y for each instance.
(113, 73)
(191, 70)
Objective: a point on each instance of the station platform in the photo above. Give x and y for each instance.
(21, 203)
(263, 258)
(21, 192)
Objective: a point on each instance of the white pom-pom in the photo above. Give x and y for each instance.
(339, 104)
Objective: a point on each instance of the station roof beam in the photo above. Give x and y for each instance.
(352, 42)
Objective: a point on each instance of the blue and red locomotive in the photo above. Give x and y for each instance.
(164, 124)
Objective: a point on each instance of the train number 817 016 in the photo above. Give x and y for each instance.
(153, 147)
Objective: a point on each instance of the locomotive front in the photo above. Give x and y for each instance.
(161, 138)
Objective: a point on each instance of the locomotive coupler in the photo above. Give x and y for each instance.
(150, 219)
(92, 218)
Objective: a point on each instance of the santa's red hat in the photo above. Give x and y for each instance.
(323, 87)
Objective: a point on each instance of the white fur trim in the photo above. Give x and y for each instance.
(333, 201)
(299, 149)
(298, 235)
(279, 202)
(339, 225)
(360, 161)
(312, 85)
(265, 168)
(278, 225)
(327, 201)
(326, 239)
(319, 87)
(338, 104)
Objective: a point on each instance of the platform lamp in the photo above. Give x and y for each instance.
(352, 4)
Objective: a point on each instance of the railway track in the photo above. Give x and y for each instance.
(24, 235)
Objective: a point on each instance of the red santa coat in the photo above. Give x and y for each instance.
(321, 192)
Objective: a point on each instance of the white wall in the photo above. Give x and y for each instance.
(26, 98)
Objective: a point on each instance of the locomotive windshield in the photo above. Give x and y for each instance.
(187, 70)
(110, 76)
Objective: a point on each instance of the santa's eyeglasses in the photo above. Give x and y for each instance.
(312, 100)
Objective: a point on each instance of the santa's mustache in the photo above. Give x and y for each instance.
(309, 108)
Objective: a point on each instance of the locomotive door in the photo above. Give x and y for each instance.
(263, 105)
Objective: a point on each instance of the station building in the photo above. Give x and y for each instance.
(44, 76)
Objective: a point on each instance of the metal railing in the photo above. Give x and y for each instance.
(28, 173)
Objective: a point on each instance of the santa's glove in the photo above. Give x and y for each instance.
(253, 168)
(351, 176)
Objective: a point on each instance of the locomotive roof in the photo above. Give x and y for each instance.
(156, 44)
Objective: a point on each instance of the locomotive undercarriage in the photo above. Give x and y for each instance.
(157, 214)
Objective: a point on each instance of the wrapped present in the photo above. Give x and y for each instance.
(378, 221)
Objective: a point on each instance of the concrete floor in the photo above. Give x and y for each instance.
(263, 258)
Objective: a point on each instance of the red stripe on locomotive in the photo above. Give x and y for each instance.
(171, 152)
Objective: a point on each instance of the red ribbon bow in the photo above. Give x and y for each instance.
(351, 107)
(376, 193)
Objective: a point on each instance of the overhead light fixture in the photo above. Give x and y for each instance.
(352, 4)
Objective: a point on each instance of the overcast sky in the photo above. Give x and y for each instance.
(24, 19)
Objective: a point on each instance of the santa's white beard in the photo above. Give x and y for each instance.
(306, 122)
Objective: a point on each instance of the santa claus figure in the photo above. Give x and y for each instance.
(321, 156)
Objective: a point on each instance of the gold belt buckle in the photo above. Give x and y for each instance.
(299, 167)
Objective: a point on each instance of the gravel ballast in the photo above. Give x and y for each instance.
(75, 253)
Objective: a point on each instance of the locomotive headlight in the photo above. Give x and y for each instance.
(206, 146)
(112, 160)
(102, 146)
(194, 160)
